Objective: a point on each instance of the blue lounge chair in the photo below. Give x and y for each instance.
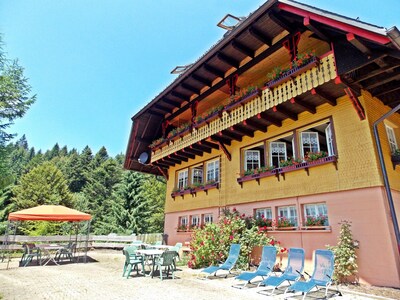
(322, 276)
(267, 263)
(292, 272)
(226, 266)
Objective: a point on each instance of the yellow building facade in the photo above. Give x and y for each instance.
(276, 121)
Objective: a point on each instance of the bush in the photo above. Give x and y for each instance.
(345, 254)
(210, 244)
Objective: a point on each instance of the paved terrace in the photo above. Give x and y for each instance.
(101, 278)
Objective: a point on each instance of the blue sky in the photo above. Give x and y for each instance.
(94, 64)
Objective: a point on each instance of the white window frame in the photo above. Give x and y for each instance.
(183, 221)
(183, 179)
(195, 220)
(315, 210)
(391, 138)
(213, 170)
(266, 212)
(208, 218)
(193, 171)
(329, 140)
(276, 155)
(308, 148)
(256, 163)
(289, 212)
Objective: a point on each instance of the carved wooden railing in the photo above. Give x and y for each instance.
(305, 82)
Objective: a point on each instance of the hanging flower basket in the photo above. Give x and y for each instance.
(396, 159)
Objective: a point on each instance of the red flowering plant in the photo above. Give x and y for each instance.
(316, 221)
(291, 161)
(312, 156)
(284, 222)
(210, 244)
(300, 60)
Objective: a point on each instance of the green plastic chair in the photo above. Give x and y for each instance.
(132, 260)
(30, 252)
(66, 252)
(166, 260)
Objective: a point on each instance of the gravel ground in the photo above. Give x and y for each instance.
(101, 278)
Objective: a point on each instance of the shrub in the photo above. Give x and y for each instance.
(345, 254)
(210, 244)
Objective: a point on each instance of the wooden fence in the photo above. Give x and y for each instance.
(113, 241)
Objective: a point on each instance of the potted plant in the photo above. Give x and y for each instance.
(263, 223)
(156, 143)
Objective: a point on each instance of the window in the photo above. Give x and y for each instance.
(197, 175)
(208, 218)
(254, 158)
(391, 138)
(183, 221)
(316, 213)
(288, 212)
(195, 221)
(213, 171)
(182, 179)
(280, 150)
(264, 213)
(317, 138)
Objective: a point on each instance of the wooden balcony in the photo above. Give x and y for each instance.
(261, 111)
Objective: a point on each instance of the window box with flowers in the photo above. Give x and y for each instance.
(316, 223)
(208, 116)
(157, 143)
(263, 224)
(291, 164)
(245, 95)
(257, 174)
(302, 63)
(182, 228)
(181, 192)
(211, 184)
(178, 132)
(284, 224)
(396, 157)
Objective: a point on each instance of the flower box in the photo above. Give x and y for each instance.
(289, 228)
(181, 193)
(180, 134)
(396, 159)
(289, 75)
(315, 227)
(294, 167)
(209, 186)
(243, 100)
(208, 119)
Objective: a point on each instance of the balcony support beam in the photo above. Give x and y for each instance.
(306, 106)
(285, 112)
(254, 125)
(264, 116)
(223, 148)
(214, 71)
(201, 148)
(230, 135)
(242, 130)
(229, 60)
(219, 139)
(187, 155)
(243, 49)
(209, 144)
(325, 97)
(260, 36)
(202, 80)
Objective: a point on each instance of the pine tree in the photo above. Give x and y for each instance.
(44, 184)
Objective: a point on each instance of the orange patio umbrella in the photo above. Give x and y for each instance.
(49, 213)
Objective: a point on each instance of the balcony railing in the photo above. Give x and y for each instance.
(305, 82)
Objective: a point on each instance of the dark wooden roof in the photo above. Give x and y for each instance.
(367, 57)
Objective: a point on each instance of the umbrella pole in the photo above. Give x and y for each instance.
(87, 241)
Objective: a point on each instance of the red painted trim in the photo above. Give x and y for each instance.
(378, 38)
(325, 54)
(338, 80)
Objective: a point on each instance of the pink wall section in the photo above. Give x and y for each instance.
(367, 209)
